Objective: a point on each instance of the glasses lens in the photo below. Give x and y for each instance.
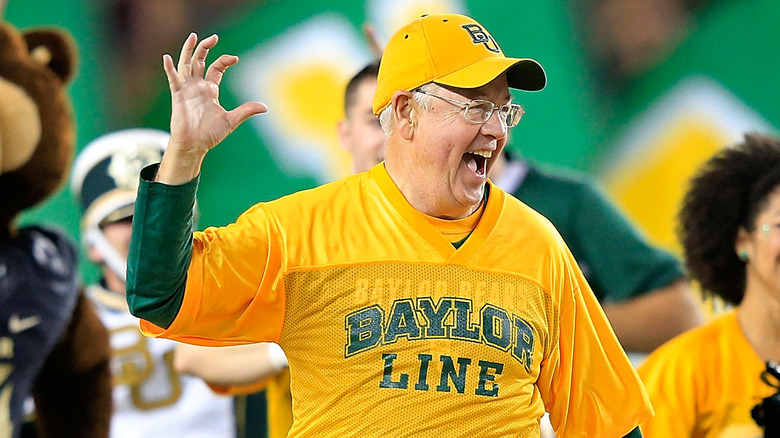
(514, 113)
(479, 111)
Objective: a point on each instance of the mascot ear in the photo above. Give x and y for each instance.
(53, 49)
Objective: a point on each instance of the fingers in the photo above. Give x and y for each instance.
(245, 111)
(170, 71)
(185, 57)
(199, 57)
(217, 68)
(192, 62)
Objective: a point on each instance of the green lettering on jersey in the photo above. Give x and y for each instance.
(485, 376)
(464, 328)
(422, 381)
(402, 322)
(524, 343)
(496, 327)
(448, 373)
(387, 375)
(435, 316)
(364, 329)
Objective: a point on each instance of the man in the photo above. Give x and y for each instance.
(359, 131)
(410, 288)
(150, 397)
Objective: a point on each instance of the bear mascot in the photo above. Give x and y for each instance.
(53, 347)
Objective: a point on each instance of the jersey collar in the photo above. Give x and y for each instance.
(427, 231)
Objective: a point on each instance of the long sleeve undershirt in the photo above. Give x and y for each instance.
(160, 248)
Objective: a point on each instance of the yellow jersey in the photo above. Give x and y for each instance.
(704, 382)
(391, 331)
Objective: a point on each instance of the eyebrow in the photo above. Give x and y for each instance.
(507, 97)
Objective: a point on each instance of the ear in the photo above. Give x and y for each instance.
(343, 130)
(54, 49)
(404, 114)
(742, 243)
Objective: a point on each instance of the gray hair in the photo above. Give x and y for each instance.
(424, 100)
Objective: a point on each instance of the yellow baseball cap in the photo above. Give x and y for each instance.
(448, 49)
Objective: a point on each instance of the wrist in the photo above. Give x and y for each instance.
(178, 167)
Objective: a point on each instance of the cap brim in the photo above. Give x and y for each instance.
(521, 73)
(119, 214)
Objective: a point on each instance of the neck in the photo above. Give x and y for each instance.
(759, 317)
(425, 201)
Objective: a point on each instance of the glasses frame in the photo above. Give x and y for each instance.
(503, 110)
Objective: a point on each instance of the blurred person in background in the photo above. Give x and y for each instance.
(150, 398)
(359, 131)
(707, 381)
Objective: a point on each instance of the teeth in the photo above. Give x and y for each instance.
(485, 154)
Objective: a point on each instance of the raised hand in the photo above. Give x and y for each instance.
(198, 120)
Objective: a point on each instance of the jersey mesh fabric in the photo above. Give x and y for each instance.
(476, 363)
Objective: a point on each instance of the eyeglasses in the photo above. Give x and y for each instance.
(479, 110)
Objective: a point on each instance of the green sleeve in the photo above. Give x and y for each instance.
(618, 262)
(636, 433)
(160, 248)
(622, 263)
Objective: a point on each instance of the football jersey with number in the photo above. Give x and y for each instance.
(150, 398)
(38, 291)
(392, 331)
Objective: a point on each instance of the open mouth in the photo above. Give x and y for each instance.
(477, 161)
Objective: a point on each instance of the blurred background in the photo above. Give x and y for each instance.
(639, 92)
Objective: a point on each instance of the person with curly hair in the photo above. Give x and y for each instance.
(705, 382)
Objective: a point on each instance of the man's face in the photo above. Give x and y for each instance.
(360, 133)
(449, 156)
(117, 234)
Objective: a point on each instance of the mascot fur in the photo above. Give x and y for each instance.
(52, 345)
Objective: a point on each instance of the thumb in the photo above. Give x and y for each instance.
(245, 111)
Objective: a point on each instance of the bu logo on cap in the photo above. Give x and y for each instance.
(479, 36)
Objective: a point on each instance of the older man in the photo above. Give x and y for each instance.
(408, 299)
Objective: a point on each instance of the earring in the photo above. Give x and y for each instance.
(743, 255)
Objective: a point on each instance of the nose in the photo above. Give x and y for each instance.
(494, 126)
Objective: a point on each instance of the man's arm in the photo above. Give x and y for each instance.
(161, 244)
(645, 294)
(645, 322)
(236, 365)
(160, 249)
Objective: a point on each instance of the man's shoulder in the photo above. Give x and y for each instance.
(525, 220)
(325, 193)
(333, 199)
